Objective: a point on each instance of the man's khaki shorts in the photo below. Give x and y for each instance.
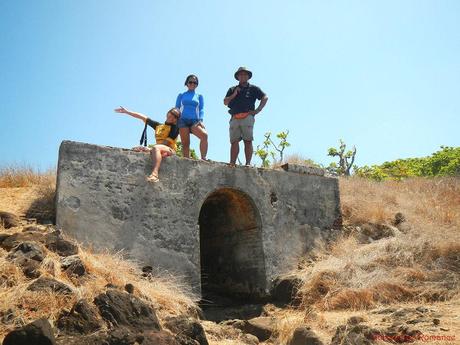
(241, 129)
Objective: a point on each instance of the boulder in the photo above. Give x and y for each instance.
(82, 319)
(56, 243)
(28, 249)
(285, 289)
(304, 336)
(38, 332)
(73, 266)
(123, 309)
(8, 220)
(262, 327)
(14, 240)
(30, 268)
(49, 284)
(186, 328)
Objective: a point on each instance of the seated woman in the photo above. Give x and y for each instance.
(165, 135)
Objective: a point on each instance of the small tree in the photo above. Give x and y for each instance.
(180, 153)
(346, 159)
(265, 151)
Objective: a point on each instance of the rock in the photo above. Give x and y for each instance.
(158, 338)
(399, 218)
(352, 335)
(285, 290)
(73, 266)
(8, 220)
(129, 288)
(436, 322)
(30, 268)
(3, 237)
(422, 309)
(14, 240)
(34, 228)
(82, 319)
(122, 309)
(99, 338)
(49, 284)
(262, 327)
(304, 336)
(29, 250)
(373, 232)
(38, 332)
(59, 245)
(7, 316)
(186, 328)
(354, 320)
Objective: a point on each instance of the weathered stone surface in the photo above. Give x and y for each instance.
(38, 332)
(122, 309)
(304, 336)
(8, 220)
(56, 243)
(304, 169)
(185, 328)
(82, 319)
(73, 266)
(49, 284)
(240, 226)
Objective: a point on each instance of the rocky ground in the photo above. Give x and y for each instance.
(53, 292)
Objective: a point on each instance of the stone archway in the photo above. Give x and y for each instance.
(232, 258)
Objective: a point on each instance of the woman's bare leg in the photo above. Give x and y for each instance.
(185, 140)
(201, 133)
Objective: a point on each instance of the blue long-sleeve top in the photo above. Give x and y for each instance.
(191, 105)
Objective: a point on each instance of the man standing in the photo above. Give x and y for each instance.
(241, 100)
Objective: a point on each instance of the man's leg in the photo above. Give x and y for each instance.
(247, 128)
(234, 151)
(235, 138)
(248, 150)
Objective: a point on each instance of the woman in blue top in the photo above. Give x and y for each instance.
(191, 106)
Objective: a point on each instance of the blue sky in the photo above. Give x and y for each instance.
(381, 75)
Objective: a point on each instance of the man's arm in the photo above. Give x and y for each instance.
(262, 103)
(229, 98)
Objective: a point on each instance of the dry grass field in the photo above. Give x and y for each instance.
(418, 264)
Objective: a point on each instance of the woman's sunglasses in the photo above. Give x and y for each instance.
(192, 82)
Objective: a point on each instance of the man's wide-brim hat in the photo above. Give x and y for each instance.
(243, 69)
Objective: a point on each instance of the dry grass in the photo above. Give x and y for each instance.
(164, 293)
(23, 176)
(421, 265)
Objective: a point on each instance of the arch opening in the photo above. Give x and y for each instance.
(232, 258)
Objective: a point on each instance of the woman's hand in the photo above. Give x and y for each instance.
(122, 110)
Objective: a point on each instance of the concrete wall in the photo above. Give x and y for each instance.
(255, 223)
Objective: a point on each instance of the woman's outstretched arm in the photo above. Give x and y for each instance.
(139, 116)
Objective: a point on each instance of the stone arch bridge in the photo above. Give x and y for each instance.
(226, 229)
